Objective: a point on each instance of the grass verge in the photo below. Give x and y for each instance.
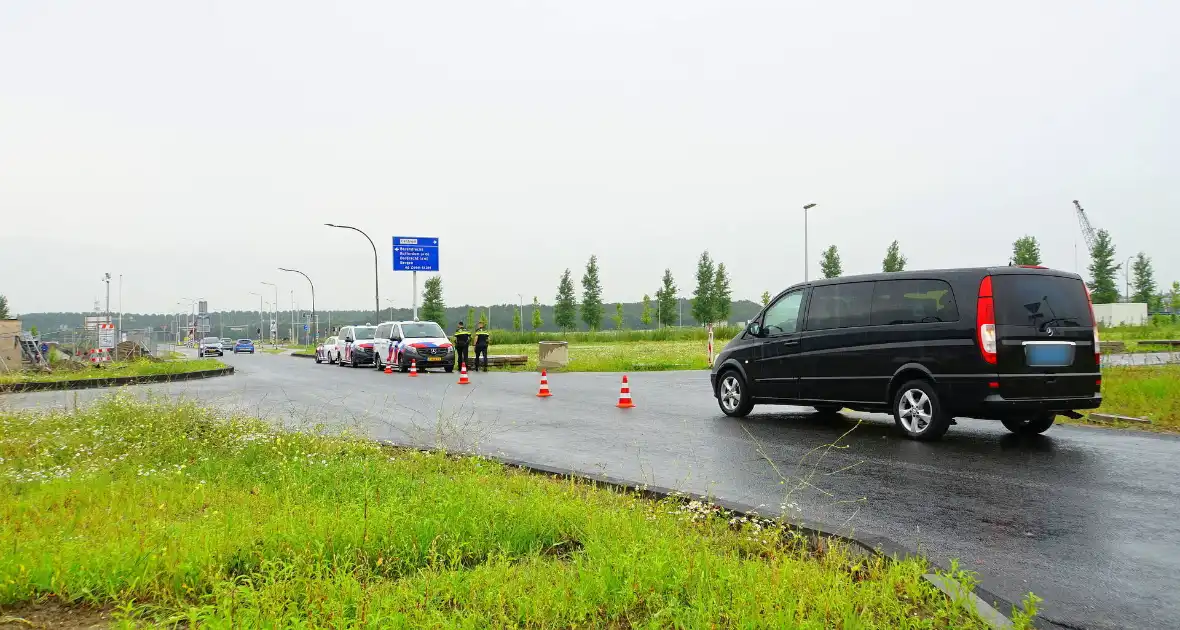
(1151, 391)
(138, 367)
(623, 356)
(221, 521)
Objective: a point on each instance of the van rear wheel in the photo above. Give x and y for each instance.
(918, 412)
(1027, 426)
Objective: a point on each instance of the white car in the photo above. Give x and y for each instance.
(354, 346)
(402, 343)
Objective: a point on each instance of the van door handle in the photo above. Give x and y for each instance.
(791, 342)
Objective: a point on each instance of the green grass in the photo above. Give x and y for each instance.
(1161, 328)
(272, 350)
(138, 367)
(1143, 392)
(623, 356)
(672, 333)
(173, 515)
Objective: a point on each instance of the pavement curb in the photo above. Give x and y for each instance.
(988, 604)
(114, 381)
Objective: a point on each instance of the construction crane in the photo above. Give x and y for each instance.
(1087, 229)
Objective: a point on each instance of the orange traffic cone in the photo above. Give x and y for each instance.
(413, 367)
(463, 380)
(625, 395)
(544, 391)
(389, 368)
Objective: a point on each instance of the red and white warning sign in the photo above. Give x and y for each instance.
(106, 336)
(100, 355)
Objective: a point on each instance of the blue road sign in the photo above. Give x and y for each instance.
(415, 253)
(44, 348)
(305, 328)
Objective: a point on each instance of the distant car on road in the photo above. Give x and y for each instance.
(210, 346)
(324, 351)
(354, 345)
(423, 343)
(1014, 344)
(244, 345)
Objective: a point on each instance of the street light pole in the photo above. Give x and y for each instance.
(806, 254)
(376, 281)
(1127, 276)
(315, 323)
(521, 312)
(275, 328)
(259, 315)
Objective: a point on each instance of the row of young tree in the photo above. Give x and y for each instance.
(712, 300)
(1103, 268)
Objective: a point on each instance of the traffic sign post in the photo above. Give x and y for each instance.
(414, 254)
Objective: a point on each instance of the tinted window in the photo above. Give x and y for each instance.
(421, 330)
(363, 332)
(243, 341)
(840, 306)
(913, 302)
(1036, 300)
(783, 316)
(383, 331)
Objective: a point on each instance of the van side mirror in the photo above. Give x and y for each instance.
(755, 329)
(349, 340)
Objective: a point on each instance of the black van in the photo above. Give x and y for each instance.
(1015, 344)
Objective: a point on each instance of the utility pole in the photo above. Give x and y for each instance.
(107, 279)
(806, 255)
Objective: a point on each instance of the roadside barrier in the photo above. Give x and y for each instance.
(544, 392)
(463, 380)
(625, 395)
(413, 367)
(100, 355)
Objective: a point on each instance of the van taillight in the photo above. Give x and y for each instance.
(1094, 323)
(985, 321)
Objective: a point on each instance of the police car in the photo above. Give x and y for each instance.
(354, 346)
(401, 343)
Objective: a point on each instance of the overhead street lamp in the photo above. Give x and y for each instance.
(314, 322)
(521, 311)
(806, 255)
(376, 281)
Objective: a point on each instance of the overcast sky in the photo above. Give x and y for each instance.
(194, 147)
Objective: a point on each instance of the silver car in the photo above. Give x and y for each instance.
(210, 346)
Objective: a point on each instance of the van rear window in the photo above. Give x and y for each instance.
(1037, 300)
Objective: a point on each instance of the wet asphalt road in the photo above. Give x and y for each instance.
(1087, 518)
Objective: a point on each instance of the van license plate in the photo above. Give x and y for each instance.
(434, 359)
(1048, 354)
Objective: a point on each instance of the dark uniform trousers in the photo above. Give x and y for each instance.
(462, 342)
(481, 349)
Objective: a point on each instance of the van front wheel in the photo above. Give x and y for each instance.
(1036, 424)
(733, 396)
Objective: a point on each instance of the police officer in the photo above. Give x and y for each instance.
(462, 341)
(481, 346)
